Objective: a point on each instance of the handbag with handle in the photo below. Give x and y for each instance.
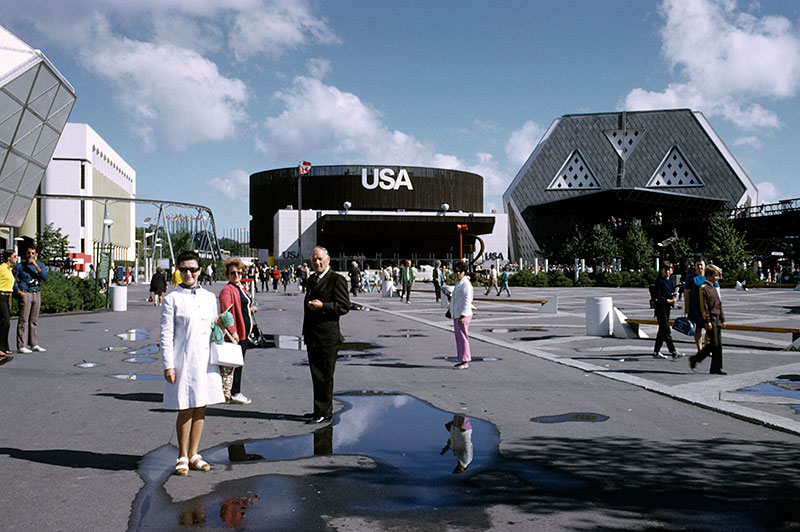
(226, 353)
(684, 325)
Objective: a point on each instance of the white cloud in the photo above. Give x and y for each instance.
(767, 192)
(753, 142)
(233, 186)
(728, 59)
(155, 54)
(522, 142)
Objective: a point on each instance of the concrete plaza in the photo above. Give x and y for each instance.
(570, 432)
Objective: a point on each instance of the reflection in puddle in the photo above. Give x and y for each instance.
(514, 329)
(133, 336)
(344, 357)
(796, 408)
(274, 309)
(406, 335)
(85, 364)
(145, 331)
(387, 457)
(359, 307)
(779, 388)
(150, 349)
(358, 346)
(283, 341)
(586, 417)
(136, 377)
(474, 359)
(114, 348)
(139, 360)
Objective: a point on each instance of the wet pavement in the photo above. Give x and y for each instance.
(567, 432)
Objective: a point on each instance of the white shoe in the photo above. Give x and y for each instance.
(25, 350)
(39, 349)
(461, 365)
(240, 399)
(659, 354)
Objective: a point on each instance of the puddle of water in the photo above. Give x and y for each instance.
(150, 349)
(410, 445)
(136, 377)
(360, 308)
(133, 336)
(86, 365)
(514, 329)
(586, 417)
(474, 359)
(358, 346)
(114, 348)
(274, 309)
(284, 341)
(140, 360)
(75, 330)
(406, 335)
(344, 357)
(145, 331)
(796, 408)
(780, 388)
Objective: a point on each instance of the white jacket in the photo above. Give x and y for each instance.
(461, 302)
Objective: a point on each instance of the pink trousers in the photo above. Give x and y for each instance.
(462, 339)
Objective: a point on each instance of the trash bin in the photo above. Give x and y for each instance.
(119, 298)
(599, 321)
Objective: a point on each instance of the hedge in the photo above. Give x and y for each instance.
(67, 294)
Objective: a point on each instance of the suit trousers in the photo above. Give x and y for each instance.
(28, 318)
(407, 289)
(322, 361)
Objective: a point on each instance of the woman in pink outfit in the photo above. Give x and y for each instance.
(461, 310)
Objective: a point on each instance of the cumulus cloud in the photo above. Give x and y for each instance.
(767, 192)
(156, 54)
(233, 186)
(322, 121)
(522, 142)
(753, 142)
(728, 58)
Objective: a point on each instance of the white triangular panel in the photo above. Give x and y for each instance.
(574, 174)
(63, 98)
(20, 86)
(41, 105)
(8, 127)
(26, 144)
(13, 163)
(624, 141)
(19, 209)
(31, 181)
(8, 106)
(13, 180)
(675, 171)
(47, 141)
(58, 119)
(44, 82)
(28, 123)
(5, 204)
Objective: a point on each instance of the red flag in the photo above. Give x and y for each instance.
(304, 167)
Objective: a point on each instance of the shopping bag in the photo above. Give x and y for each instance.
(684, 325)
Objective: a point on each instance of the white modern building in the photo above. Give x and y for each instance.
(84, 164)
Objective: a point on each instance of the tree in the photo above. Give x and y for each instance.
(726, 246)
(51, 244)
(636, 249)
(600, 246)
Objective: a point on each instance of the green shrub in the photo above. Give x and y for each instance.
(608, 279)
(746, 276)
(541, 280)
(65, 294)
(584, 280)
(634, 279)
(521, 278)
(557, 278)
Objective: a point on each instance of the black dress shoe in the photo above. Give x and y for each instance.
(718, 372)
(693, 364)
(316, 420)
(308, 415)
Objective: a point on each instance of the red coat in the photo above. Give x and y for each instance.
(230, 295)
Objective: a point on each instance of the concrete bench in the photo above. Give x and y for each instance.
(795, 332)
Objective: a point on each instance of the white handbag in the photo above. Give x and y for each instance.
(226, 353)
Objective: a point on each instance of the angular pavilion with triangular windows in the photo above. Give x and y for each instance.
(665, 169)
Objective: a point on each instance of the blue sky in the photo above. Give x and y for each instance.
(198, 94)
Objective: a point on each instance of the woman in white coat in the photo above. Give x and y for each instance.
(187, 314)
(461, 310)
(387, 285)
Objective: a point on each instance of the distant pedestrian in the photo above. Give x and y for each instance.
(491, 281)
(461, 311)
(276, 277)
(504, 282)
(714, 320)
(407, 280)
(665, 297)
(7, 287)
(158, 285)
(438, 280)
(691, 302)
(355, 278)
(387, 284)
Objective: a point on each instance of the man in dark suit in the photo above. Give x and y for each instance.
(326, 299)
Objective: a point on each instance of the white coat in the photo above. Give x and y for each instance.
(461, 303)
(186, 318)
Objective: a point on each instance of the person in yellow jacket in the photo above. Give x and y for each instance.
(176, 278)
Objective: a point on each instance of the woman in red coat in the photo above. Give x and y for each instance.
(234, 297)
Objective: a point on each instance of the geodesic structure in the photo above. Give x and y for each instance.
(35, 102)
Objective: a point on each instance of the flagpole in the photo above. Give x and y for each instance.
(299, 214)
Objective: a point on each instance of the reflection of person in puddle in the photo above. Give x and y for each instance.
(460, 441)
(232, 511)
(192, 382)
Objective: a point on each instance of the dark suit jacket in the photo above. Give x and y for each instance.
(322, 328)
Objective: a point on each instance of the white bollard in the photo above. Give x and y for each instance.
(599, 320)
(119, 298)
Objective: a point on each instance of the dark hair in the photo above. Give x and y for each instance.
(459, 266)
(666, 264)
(187, 255)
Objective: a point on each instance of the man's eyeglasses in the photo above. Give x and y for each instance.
(187, 270)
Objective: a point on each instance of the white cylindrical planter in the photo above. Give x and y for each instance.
(599, 320)
(119, 298)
